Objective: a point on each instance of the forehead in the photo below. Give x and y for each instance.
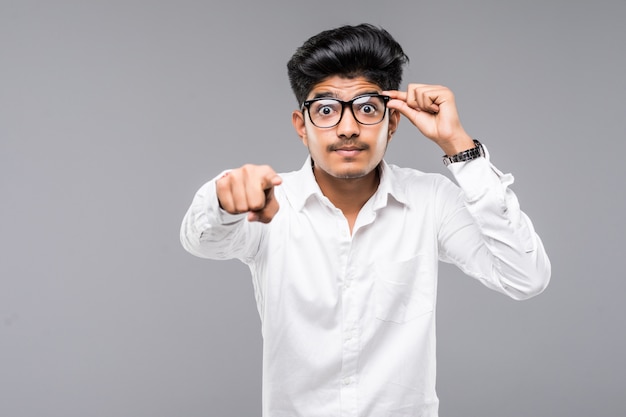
(343, 88)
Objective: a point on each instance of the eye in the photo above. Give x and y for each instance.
(325, 108)
(368, 109)
(368, 106)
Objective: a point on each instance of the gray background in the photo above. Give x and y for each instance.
(113, 113)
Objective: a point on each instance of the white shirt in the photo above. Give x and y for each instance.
(348, 321)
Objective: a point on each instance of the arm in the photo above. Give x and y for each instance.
(215, 224)
(484, 231)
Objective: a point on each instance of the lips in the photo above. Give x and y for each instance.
(348, 152)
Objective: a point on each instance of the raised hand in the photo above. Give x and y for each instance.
(432, 109)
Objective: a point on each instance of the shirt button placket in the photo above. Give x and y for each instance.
(350, 346)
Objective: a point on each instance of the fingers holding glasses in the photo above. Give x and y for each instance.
(410, 103)
(432, 109)
(429, 98)
(249, 189)
(422, 97)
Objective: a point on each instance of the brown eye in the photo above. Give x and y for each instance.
(367, 109)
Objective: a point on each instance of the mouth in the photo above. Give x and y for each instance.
(348, 150)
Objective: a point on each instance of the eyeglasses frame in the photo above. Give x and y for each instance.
(307, 105)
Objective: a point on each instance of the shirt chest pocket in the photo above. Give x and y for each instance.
(404, 290)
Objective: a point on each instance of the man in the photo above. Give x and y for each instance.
(344, 252)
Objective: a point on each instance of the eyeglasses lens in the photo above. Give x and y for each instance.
(367, 110)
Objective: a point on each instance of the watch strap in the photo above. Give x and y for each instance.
(476, 152)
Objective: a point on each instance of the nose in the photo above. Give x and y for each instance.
(348, 127)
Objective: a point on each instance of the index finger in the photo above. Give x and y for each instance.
(270, 180)
(261, 178)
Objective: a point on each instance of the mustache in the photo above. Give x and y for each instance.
(348, 144)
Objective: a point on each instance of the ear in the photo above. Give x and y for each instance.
(297, 120)
(394, 121)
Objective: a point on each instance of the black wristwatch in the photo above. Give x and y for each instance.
(476, 152)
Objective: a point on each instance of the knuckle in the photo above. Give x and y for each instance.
(240, 207)
(256, 206)
(221, 184)
(246, 169)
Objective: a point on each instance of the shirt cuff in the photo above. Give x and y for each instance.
(479, 177)
(209, 206)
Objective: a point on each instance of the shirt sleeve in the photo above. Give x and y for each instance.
(485, 233)
(207, 231)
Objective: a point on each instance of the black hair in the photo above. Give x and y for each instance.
(347, 51)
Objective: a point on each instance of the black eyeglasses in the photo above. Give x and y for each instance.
(367, 109)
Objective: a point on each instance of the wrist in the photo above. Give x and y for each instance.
(456, 146)
(476, 151)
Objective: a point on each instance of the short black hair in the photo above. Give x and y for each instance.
(347, 51)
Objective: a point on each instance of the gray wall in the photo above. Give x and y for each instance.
(113, 113)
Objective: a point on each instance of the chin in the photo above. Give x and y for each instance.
(351, 173)
(350, 170)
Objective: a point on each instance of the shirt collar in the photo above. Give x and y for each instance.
(390, 185)
(305, 186)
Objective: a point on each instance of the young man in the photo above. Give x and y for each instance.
(344, 252)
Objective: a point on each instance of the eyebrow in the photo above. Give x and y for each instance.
(325, 94)
(328, 94)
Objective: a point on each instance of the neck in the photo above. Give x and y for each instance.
(348, 194)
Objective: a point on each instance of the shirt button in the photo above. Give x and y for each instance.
(346, 381)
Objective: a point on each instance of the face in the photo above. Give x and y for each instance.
(349, 149)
